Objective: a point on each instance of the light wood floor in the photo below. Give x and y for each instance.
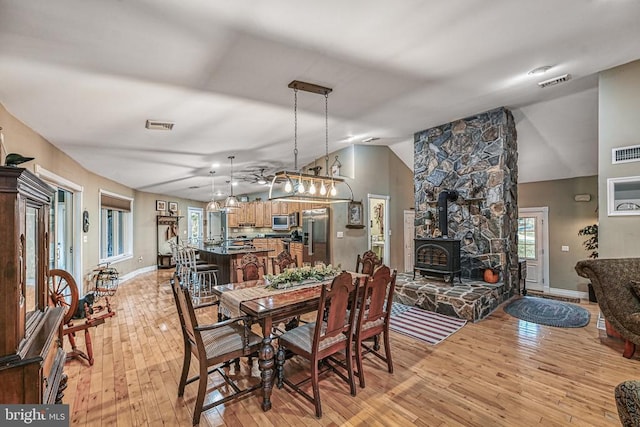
(498, 372)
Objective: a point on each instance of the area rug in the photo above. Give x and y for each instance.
(548, 312)
(423, 325)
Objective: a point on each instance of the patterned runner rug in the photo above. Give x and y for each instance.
(423, 325)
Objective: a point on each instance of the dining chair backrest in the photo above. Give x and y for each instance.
(377, 298)
(283, 261)
(188, 319)
(368, 263)
(332, 318)
(250, 268)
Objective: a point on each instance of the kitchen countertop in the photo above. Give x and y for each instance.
(226, 251)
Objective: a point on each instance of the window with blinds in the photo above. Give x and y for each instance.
(116, 227)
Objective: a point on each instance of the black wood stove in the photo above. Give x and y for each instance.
(438, 256)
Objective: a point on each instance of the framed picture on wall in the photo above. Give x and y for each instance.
(354, 215)
(173, 207)
(161, 205)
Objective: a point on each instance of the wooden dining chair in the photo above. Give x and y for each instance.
(329, 334)
(367, 263)
(374, 312)
(250, 267)
(283, 261)
(212, 345)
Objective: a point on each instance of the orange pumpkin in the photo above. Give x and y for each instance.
(491, 276)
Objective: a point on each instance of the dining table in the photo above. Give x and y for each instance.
(267, 307)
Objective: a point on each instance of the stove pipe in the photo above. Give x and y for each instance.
(443, 217)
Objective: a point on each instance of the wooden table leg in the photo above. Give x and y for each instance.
(266, 364)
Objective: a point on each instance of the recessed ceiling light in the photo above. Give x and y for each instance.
(540, 70)
(215, 165)
(158, 125)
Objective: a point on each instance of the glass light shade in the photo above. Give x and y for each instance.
(231, 202)
(288, 187)
(213, 206)
(312, 188)
(333, 191)
(323, 189)
(300, 186)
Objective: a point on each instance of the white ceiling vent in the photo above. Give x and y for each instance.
(625, 154)
(158, 125)
(555, 80)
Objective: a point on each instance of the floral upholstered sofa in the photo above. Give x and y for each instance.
(614, 283)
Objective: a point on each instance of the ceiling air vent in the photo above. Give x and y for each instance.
(158, 125)
(555, 80)
(625, 154)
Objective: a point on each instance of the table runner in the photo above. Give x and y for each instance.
(230, 300)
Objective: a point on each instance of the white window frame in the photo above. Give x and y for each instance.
(127, 252)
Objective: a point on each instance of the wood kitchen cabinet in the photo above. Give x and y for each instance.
(260, 215)
(31, 357)
(249, 213)
(266, 217)
(279, 208)
(232, 219)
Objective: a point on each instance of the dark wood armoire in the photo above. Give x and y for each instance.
(31, 354)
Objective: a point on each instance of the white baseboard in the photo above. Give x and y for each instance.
(569, 293)
(138, 272)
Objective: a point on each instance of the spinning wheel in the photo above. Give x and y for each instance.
(63, 292)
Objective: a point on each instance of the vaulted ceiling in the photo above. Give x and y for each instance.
(87, 74)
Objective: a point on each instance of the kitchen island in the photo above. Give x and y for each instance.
(226, 259)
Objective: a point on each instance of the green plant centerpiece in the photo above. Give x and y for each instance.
(299, 276)
(591, 244)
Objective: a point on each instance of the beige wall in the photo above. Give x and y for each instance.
(21, 139)
(619, 126)
(372, 170)
(566, 217)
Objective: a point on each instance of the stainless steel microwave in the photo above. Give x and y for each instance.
(280, 222)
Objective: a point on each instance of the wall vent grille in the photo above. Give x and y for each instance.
(158, 125)
(555, 80)
(625, 154)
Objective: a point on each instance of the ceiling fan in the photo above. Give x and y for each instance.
(257, 176)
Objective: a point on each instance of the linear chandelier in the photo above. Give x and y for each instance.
(301, 187)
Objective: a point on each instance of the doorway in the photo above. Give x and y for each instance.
(194, 225)
(533, 246)
(409, 242)
(378, 229)
(65, 245)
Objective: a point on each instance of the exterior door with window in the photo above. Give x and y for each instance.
(194, 225)
(532, 244)
(62, 237)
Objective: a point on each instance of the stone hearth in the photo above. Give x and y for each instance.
(471, 300)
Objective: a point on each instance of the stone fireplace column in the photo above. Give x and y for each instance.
(477, 157)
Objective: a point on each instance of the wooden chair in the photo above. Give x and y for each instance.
(212, 345)
(250, 268)
(283, 261)
(373, 317)
(367, 263)
(328, 335)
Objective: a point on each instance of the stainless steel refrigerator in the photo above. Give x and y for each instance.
(316, 238)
